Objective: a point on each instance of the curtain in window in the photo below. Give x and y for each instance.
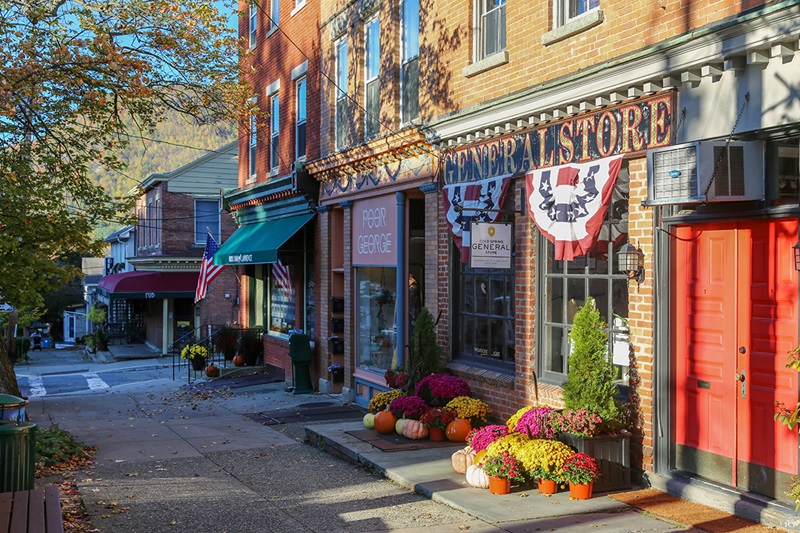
(569, 203)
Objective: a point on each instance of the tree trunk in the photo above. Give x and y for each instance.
(8, 380)
(11, 344)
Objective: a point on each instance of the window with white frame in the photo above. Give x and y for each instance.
(372, 69)
(274, 131)
(206, 219)
(253, 17)
(566, 286)
(150, 223)
(409, 82)
(490, 18)
(566, 10)
(300, 123)
(341, 89)
(158, 220)
(274, 14)
(253, 142)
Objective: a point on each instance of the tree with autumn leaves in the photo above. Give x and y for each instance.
(73, 76)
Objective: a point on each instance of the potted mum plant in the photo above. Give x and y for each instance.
(438, 389)
(196, 354)
(580, 470)
(502, 469)
(436, 420)
(470, 412)
(590, 386)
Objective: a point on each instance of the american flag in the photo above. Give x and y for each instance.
(283, 278)
(208, 270)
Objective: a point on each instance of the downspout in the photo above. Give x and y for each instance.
(402, 281)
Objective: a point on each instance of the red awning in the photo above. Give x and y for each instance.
(132, 285)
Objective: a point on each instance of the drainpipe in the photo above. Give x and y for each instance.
(402, 279)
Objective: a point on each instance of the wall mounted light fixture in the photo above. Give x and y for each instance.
(631, 262)
(796, 250)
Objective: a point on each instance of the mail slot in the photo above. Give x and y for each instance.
(337, 325)
(703, 384)
(337, 304)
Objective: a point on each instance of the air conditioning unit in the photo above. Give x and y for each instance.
(681, 174)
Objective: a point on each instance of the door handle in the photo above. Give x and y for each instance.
(741, 376)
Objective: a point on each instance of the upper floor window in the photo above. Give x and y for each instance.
(274, 120)
(300, 125)
(491, 26)
(157, 221)
(253, 142)
(274, 10)
(372, 45)
(409, 82)
(206, 219)
(341, 94)
(253, 17)
(566, 10)
(151, 223)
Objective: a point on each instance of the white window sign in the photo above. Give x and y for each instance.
(491, 245)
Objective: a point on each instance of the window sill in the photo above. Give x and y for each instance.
(484, 375)
(488, 63)
(297, 8)
(573, 27)
(272, 173)
(272, 30)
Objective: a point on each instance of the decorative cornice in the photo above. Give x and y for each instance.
(347, 204)
(400, 145)
(429, 188)
(324, 208)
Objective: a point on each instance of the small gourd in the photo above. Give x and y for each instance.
(476, 477)
(414, 430)
(398, 426)
(462, 459)
(369, 420)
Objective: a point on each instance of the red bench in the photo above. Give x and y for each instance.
(31, 511)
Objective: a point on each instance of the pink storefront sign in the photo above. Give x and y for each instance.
(375, 232)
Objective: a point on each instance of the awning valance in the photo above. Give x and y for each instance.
(258, 243)
(145, 285)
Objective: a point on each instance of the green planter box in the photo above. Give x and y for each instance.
(613, 454)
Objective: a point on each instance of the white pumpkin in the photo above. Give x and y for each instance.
(463, 459)
(369, 420)
(476, 477)
(398, 426)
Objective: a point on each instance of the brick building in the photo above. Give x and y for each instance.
(583, 129)
(154, 303)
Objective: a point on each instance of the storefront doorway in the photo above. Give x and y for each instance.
(733, 322)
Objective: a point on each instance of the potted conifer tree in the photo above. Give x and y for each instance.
(590, 390)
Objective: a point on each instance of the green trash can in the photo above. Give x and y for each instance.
(17, 456)
(12, 408)
(300, 354)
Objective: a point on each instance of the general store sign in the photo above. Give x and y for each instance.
(632, 127)
(490, 246)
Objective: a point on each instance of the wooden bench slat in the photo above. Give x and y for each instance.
(19, 513)
(52, 503)
(36, 511)
(5, 511)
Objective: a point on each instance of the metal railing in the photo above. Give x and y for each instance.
(223, 343)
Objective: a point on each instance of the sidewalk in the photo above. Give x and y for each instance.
(213, 428)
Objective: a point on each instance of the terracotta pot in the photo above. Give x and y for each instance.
(498, 485)
(581, 491)
(458, 429)
(547, 486)
(436, 434)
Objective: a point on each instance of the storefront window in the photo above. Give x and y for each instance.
(376, 322)
(565, 287)
(282, 315)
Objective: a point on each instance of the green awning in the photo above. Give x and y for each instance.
(258, 243)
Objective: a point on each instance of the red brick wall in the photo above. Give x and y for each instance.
(446, 44)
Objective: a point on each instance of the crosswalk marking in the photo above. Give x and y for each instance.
(94, 382)
(36, 386)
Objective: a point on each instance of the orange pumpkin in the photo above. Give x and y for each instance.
(414, 429)
(212, 371)
(384, 422)
(458, 429)
(238, 360)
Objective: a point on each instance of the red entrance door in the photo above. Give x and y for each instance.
(734, 321)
